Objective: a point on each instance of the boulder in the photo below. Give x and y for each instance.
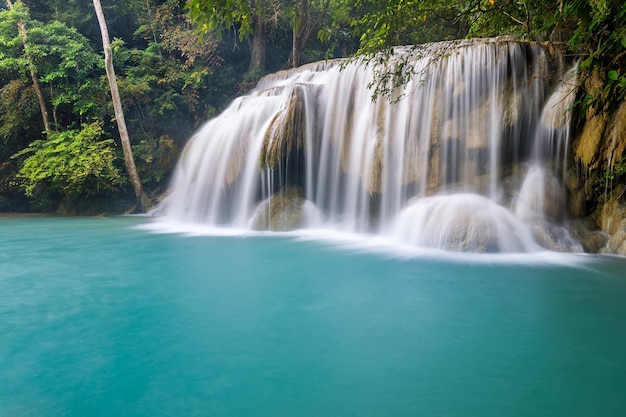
(617, 241)
(587, 233)
(613, 211)
(284, 211)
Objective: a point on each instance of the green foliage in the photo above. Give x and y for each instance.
(171, 78)
(215, 16)
(596, 29)
(18, 111)
(614, 173)
(170, 82)
(383, 26)
(616, 84)
(61, 57)
(298, 20)
(155, 159)
(336, 28)
(75, 162)
(600, 38)
(13, 60)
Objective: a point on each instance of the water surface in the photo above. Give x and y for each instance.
(101, 318)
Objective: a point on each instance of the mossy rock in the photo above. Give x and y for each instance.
(286, 132)
(613, 212)
(617, 241)
(587, 233)
(554, 237)
(587, 145)
(283, 211)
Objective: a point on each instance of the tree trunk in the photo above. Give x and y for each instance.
(33, 74)
(294, 58)
(257, 54)
(142, 198)
(302, 29)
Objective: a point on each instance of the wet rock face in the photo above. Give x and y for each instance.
(611, 217)
(617, 242)
(555, 238)
(474, 122)
(587, 233)
(286, 133)
(589, 142)
(613, 212)
(599, 145)
(283, 211)
(542, 196)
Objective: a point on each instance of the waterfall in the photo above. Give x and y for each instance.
(450, 162)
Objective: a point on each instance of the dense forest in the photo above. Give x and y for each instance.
(179, 62)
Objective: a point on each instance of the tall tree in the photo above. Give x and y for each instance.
(251, 17)
(596, 30)
(142, 198)
(31, 68)
(305, 16)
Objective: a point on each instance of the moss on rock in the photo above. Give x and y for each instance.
(286, 132)
(283, 211)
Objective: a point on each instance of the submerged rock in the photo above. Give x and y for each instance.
(542, 196)
(555, 237)
(617, 241)
(468, 118)
(284, 211)
(613, 211)
(587, 233)
(462, 222)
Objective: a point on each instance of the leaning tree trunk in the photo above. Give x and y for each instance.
(142, 198)
(33, 74)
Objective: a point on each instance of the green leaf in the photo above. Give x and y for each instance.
(613, 75)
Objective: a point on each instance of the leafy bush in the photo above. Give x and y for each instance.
(76, 162)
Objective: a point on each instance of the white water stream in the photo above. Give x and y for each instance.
(468, 160)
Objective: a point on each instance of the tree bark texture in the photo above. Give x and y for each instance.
(257, 54)
(142, 198)
(303, 27)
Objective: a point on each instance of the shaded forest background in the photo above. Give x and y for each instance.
(181, 62)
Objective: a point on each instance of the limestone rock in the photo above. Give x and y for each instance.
(616, 138)
(557, 111)
(613, 212)
(554, 237)
(587, 233)
(617, 241)
(286, 132)
(283, 211)
(542, 196)
(586, 146)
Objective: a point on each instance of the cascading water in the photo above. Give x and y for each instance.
(444, 166)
